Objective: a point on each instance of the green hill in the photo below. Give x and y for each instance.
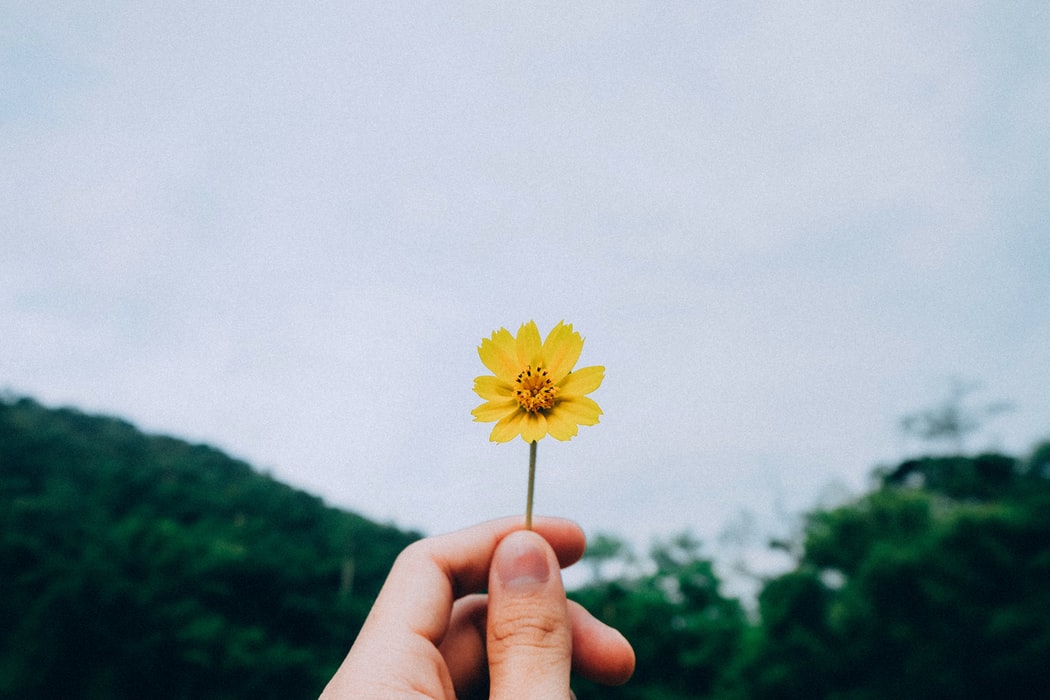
(139, 566)
(135, 565)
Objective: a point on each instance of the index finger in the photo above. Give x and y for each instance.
(429, 575)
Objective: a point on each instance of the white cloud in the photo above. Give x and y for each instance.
(286, 231)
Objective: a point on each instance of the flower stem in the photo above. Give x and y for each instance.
(532, 484)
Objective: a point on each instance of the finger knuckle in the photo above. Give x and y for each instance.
(527, 626)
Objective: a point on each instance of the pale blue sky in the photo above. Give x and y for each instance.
(284, 228)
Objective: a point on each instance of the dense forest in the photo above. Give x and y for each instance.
(934, 585)
(137, 566)
(134, 565)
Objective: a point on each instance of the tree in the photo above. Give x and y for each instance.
(684, 631)
(144, 566)
(952, 421)
(931, 587)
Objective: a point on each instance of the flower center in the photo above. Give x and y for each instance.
(534, 390)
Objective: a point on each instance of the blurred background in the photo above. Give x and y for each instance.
(807, 241)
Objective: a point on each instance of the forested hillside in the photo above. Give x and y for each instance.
(936, 585)
(138, 566)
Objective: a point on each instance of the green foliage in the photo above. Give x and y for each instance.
(684, 632)
(143, 566)
(933, 586)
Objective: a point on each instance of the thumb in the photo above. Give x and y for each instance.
(529, 642)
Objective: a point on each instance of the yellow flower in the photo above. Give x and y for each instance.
(534, 391)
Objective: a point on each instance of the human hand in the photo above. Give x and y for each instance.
(432, 634)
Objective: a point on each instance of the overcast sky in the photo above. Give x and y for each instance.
(284, 228)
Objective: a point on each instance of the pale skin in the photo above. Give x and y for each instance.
(433, 634)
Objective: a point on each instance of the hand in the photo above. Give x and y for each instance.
(431, 634)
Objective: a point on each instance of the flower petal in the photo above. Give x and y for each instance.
(498, 354)
(561, 350)
(583, 410)
(492, 388)
(534, 427)
(508, 427)
(579, 382)
(561, 426)
(528, 346)
(494, 410)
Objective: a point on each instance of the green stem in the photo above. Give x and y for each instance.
(532, 485)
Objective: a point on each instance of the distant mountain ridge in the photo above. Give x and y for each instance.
(135, 565)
